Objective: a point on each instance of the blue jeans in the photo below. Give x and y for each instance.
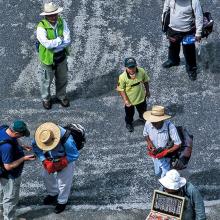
(161, 166)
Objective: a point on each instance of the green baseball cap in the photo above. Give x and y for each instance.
(20, 127)
(130, 62)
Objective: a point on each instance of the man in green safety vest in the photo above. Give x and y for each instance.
(54, 38)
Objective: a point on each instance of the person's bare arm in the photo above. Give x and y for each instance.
(174, 148)
(150, 144)
(125, 98)
(16, 163)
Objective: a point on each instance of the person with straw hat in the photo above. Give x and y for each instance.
(58, 160)
(53, 36)
(158, 131)
(173, 183)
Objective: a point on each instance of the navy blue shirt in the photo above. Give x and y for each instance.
(9, 153)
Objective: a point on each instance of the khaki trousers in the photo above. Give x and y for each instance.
(10, 189)
(47, 74)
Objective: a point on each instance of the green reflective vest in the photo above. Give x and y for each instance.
(46, 55)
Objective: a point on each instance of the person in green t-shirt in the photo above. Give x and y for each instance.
(134, 89)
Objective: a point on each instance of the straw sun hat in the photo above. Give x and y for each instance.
(50, 9)
(172, 180)
(47, 136)
(156, 114)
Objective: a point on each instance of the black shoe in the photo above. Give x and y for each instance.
(192, 75)
(64, 102)
(59, 208)
(142, 120)
(47, 104)
(169, 64)
(130, 127)
(50, 200)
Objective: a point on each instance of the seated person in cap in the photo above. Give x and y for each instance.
(134, 89)
(53, 35)
(194, 206)
(158, 131)
(57, 158)
(12, 160)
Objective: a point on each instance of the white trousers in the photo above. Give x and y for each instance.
(59, 183)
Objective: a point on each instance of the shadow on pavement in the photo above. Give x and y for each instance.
(174, 109)
(96, 86)
(208, 181)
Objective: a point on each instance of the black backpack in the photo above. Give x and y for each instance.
(208, 23)
(181, 157)
(78, 133)
(166, 20)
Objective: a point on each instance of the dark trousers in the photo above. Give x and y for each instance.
(189, 51)
(129, 111)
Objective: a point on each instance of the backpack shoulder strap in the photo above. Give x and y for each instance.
(65, 136)
(192, 8)
(3, 127)
(7, 141)
(171, 141)
(168, 127)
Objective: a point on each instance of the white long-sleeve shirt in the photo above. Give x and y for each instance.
(50, 44)
(181, 15)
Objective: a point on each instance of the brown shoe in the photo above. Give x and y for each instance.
(64, 102)
(47, 104)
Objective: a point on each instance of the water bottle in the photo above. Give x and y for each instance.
(189, 39)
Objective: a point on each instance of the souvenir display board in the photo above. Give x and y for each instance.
(166, 206)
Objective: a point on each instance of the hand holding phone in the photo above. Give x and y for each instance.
(29, 157)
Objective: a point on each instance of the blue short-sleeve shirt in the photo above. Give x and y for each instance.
(9, 153)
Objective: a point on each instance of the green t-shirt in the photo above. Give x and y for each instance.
(134, 88)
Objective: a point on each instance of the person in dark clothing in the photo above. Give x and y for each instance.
(12, 160)
(182, 14)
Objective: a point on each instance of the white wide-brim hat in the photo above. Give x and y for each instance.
(172, 180)
(156, 114)
(50, 9)
(47, 136)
